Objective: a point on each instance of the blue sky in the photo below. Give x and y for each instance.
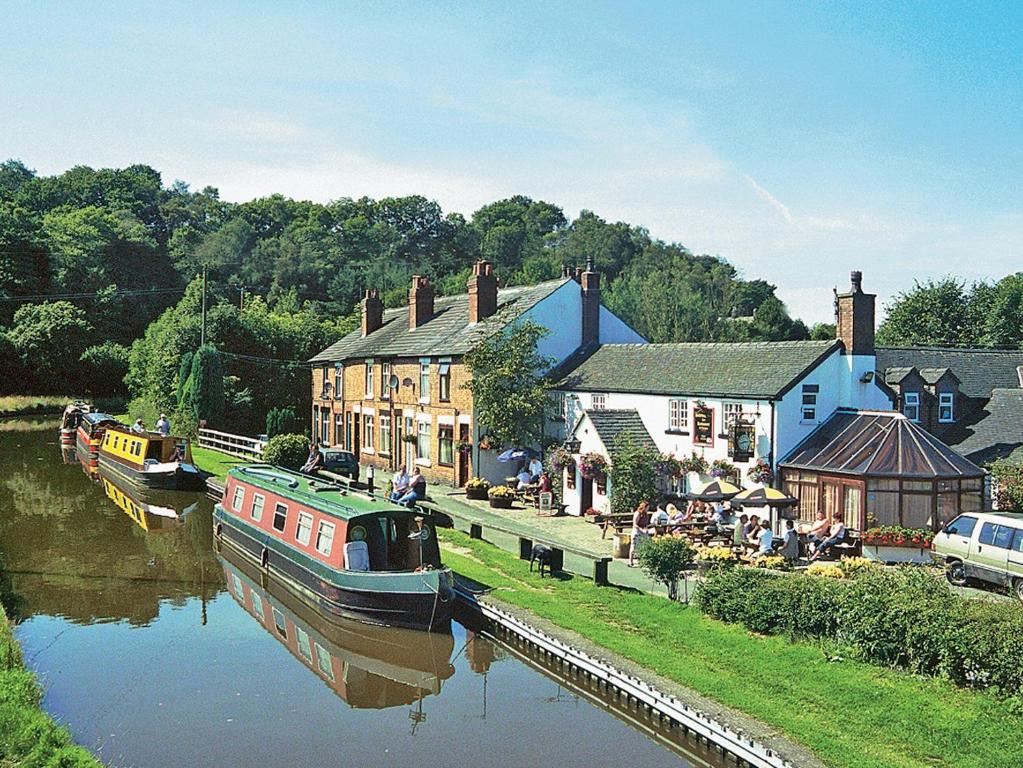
(796, 140)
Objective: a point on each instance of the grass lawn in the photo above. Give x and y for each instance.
(852, 715)
(28, 737)
(214, 462)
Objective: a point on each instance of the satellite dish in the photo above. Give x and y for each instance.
(392, 383)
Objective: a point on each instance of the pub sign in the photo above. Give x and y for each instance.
(703, 425)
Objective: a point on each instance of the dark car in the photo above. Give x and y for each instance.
(341, 462)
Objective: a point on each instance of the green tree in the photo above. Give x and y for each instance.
(822, 331)
(205, 388)
(933, 313)
(50, 339)
(666, 560)
(1002, 321)
(632, 477)
(290, 451)
(104, 367)
(508, 385)
(280, 421)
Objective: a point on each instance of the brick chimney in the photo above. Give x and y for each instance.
(372, 312)
(482, 292)
(420, 302)
(854, 318)
(590, 280)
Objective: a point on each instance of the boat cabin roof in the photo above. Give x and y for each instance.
(321, 495)
(99, 418)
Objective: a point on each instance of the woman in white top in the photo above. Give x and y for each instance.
(835, 534)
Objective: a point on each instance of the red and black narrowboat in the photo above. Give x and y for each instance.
(369, 667)
(89, 435)
(69, 422)
(353, 555)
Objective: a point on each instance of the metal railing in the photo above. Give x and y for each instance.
(234, 445)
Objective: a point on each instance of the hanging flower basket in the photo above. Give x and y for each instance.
(410, 438)
(464, 446)
(720, 468)
(485, 444)
(668, 466)
(693, 463)
(592, 466)
(558, 458)
(761, 473)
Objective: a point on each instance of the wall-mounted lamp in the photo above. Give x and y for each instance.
(867, 377)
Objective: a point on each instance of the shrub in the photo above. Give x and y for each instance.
(826, 570)
(854, 565)
(904, 617)
(289, 451)
(282, 421)
(665, 559)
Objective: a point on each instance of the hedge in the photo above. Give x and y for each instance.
(904, 618)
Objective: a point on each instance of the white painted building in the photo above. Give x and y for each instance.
(713, 398)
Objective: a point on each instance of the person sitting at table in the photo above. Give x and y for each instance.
(739, 532)
(659, 518)
(676, 515)
(535, 468)
(750, 527)
(790, 543)
(640, 530)
(543, 485)
(524, 478)
(818, 531)
(694, 509)
(835, 534)
(765, 540)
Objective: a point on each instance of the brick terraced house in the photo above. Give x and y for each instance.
(392, 391)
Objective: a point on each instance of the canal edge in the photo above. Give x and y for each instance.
(745, 738)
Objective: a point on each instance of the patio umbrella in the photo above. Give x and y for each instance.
(716, 490)
(771, 498)
(517, 454)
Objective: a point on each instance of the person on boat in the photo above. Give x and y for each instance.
(162, 425)
(315, 460)
(139, 427)
(399, 484)
(416, 489)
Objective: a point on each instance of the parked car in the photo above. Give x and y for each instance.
(985, 547)
(340, 462)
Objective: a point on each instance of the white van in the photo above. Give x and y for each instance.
(984, 547)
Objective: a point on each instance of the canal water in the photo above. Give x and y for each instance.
(156, 651)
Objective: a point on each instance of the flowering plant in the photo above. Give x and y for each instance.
(723, 468)
(478, 482)
(825, 570)
(715, 554)
(592, 465)
(854, 565)
(693, 463)
(464, 445)
(558, 458)
(501, 492)
(768, 561)
(760, 472)
(667, 465)
(898, 536)
(591, 512)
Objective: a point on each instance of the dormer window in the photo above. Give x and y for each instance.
(946, 407)
(911, 406)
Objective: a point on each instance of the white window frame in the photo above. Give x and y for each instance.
(423, 429)
(424, 376)
(558, 406)
(911, 401)
(305, 524)
(678, 414)
(280, 623)
(385, 435)
(257, 607)
(369, 378)
(339, 381)
(324, 661)
(598, 401)
(304, 645)
(730, 413)
(808, 402)
(257, 516)
(238, 501)
(320, 530)
(368, 441)
(385, 375)
(444, 375)
(946, 400)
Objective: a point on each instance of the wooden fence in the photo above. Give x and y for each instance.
(234, 445)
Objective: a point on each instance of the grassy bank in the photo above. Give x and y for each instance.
(28, 737)
(851, 715)
(214, 462)
(29, 405)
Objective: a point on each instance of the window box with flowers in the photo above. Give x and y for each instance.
(501, 497)
(896, 544)
(477, 489)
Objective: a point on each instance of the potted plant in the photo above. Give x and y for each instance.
(477, 489)
(760, 473)
(897, 544)
(592, 466)
(409, 438)
(464, 446)
(501, 497)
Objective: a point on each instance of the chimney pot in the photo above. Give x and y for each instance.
(854, 318)
(372, 311)
(590, 282)
(420, 302)
(856, 278)
(483, 287)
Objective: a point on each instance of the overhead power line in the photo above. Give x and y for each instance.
(92, 295)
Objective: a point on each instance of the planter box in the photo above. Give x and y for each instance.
(886, 553)
(479, 494)
(501, 503)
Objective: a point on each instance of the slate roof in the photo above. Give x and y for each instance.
(933, 375)
(447, 332)
(754, 370)
(895, 375)
(878, 444)
(979, 370)
(609, 424)
(993, 432)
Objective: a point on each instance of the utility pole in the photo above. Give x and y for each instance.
(241, 297)
(202, 333)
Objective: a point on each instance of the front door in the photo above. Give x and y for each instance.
(585, 494)
(845, 497)
(410, 447)
(464, 457)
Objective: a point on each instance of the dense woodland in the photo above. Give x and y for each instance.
(100, 290)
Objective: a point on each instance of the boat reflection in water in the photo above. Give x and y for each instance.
(368, 666)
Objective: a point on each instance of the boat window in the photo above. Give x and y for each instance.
(257, 507)
(280, 516)
(305, 527)
(325, 538)
(238, 587)
(282, 627)
(304, 647)
(323, 661)
(239, 498)
(257, 606)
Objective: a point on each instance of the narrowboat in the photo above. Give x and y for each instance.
(89, 435)
(69, 422)
(152, 513)
(354, 555)
(149, 459)
(367, 666)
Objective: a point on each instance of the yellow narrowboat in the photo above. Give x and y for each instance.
(149, 459)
